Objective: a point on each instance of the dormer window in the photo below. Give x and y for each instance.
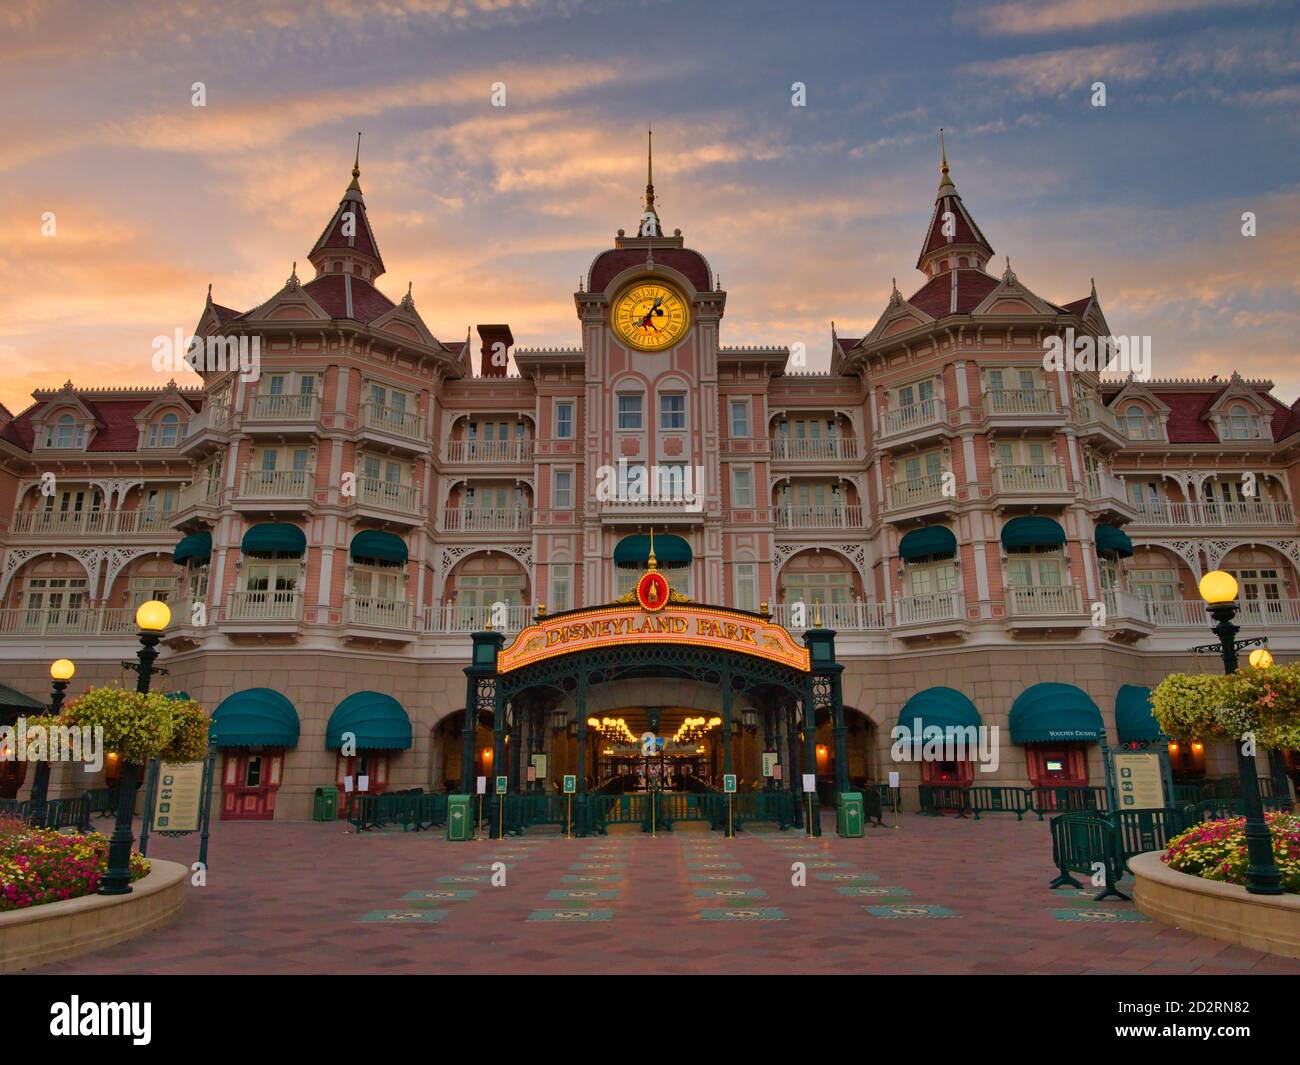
(167, 431)
(1241, 424)
(1138, 425)
(66, 433)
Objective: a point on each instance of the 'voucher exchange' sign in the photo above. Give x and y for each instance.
(675, 624)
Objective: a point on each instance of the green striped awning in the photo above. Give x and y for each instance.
(371, 544)
(196, 546)
(274, 538)
(1113, 541)
(1133, 717)
(944, 707)
(930, 540)
(376, 720)
(1032, 532)
(1049, 713)
(254, 717)
(632, 552)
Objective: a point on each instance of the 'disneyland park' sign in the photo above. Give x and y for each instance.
(676, 623)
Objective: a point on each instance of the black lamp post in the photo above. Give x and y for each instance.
(1219, 590)
(61, 671)
(152, 617)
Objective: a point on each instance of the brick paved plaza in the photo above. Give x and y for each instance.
(935, 896)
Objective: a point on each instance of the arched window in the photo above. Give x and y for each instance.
(166, 432)
(66, 433)
(1240, 423)
(1135, 422)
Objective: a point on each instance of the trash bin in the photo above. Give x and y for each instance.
(326, 805)
(460, 817)
(848, 814)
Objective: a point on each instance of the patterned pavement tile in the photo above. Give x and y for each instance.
(581, 893)
(730, 893)
(438, 896)
(910, 910)
(884, 892)
(571, 916)
(848, 878)
(1097, 916)
(743, 915)
(700, 878)
(404, 916)
(592, 878)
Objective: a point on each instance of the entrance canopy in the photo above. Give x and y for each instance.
(255, 717)
(944, 707)
(1053, 713)
(376, 720)
(1133, 717)
(1112, 541)
(374, 545)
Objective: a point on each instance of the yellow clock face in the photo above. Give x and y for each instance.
(650, 316)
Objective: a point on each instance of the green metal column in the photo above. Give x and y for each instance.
(580, 799)
(792, 747)
(841, 742)
(769, 739)
(467, 734)
(726, 720)
(480, 695)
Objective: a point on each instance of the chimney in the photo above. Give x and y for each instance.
(497, 340)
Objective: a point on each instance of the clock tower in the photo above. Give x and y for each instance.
(650, 309)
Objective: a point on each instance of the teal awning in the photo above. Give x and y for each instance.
(1032, 532)
(377, 720)
(930, 540)
(1112, 540)
(371, 544)
(11, 697)
(670, 551)
(1133, 718)
(1049, 713)
(255, 717)
(272, 539)
(944, 707)
(196, 546)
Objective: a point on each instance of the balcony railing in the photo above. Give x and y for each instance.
(284, 407)
(205, 492)
(1043, 599)
(1094, 411)
(68, 621)
(452, 618)
(1121, 604)
(486, 519)
(396, 420)
(1104, 485)
(1019, 401)
(928, 609)
(843, 617)
(55, 523)
(1029, 480)
(914, 416)
(820, 449)
(279, 484)
(834, 516)
(376, 492)
(915, 492)
(1191, 614)
(1248, 512)
(268, 605)
(378, 613)
(488, 451)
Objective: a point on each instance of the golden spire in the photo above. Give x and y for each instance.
(652, 562)
(356, 166)
(944, 178)
(817, 613)
(650, 170)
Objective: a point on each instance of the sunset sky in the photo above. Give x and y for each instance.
(493, 213)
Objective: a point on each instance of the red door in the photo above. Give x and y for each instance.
(248, 787)
(373, 765)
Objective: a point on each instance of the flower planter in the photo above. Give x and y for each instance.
(54, 931)
(1227, 912)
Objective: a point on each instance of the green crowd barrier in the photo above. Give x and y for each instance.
(1066, 799)
(1080, 844)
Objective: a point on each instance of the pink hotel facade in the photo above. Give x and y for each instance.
(967, 521)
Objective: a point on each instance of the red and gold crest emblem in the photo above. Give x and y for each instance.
(652, 591)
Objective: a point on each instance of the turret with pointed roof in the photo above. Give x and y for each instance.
(650, 225)
(953, 234)
(348, 243)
